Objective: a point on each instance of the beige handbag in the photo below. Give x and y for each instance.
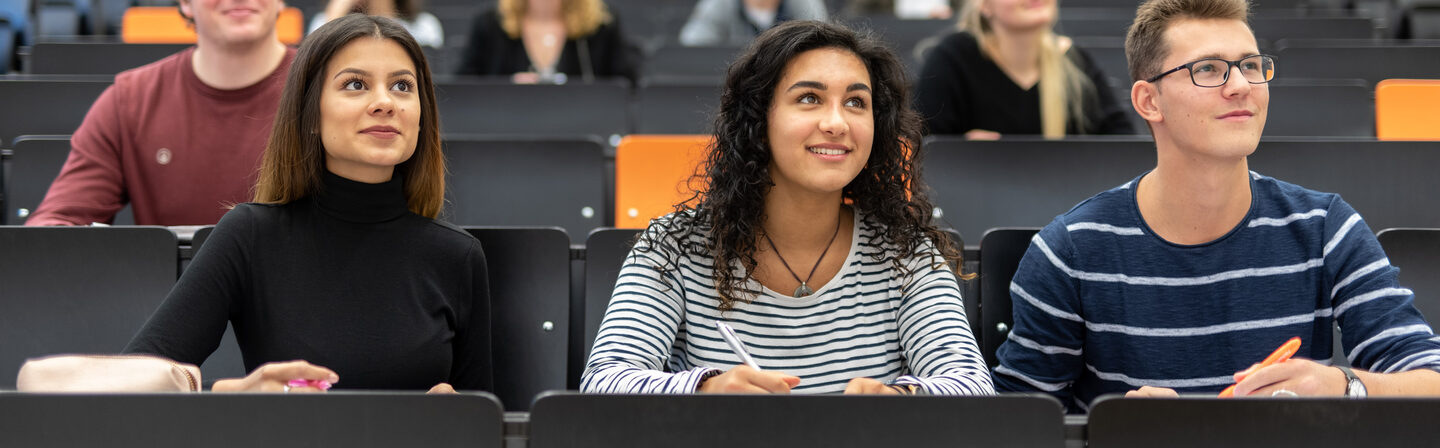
(107, 373)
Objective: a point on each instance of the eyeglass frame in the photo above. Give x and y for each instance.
(1230, 66)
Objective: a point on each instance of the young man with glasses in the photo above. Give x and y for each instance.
(1185, 276)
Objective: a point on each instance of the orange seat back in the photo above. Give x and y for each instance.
(164, 25)
(652, 174)
(1407, 109)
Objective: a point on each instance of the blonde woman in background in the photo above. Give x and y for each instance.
(1006, 72)
(537, 40)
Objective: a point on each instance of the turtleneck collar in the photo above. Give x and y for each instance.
(360, 202)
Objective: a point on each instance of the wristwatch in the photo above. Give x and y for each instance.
(1354, 388)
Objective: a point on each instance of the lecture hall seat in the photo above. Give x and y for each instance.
(78, 289)
(1000, 252)
(1416, 252)
(1405, 109)
(164, 25)
(652, 174)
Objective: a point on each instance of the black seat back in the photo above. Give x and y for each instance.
(1000, 254)
(529, 273)
(1417, 253)
(78, 289)
(528, 182)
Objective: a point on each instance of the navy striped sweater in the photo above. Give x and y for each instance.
(1102, 305)
(659, 334)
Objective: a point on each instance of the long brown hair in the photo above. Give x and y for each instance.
(294, 160)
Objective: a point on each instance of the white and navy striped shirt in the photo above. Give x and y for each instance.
(1103, 305)
(869, 321)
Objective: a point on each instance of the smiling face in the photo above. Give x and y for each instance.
(233, 22)
(369, 110)
(1019, 14)
(1220, 122)
(821, 122)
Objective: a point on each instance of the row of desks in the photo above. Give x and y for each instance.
(567, 420)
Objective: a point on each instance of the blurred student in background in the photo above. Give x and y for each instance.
(717, 23)
(549, 41)
(805, 239)
(423, 25)
(1006, 72)
(339, 262)
(178, 139)
(904, 9)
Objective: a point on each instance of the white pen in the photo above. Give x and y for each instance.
(735, 345)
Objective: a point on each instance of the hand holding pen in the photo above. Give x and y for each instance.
(281, 377)
(1286, 350)
(746, 378)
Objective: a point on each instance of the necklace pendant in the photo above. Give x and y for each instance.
(803, 290)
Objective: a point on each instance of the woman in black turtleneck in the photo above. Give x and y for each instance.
(340, 262)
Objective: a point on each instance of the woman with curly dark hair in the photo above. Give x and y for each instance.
(811, 237)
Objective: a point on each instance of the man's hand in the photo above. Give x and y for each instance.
(1301, 376)
(1152, 392)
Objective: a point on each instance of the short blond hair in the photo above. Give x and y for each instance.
(582, 17)
(1145, 47)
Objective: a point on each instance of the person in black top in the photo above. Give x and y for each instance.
(537, 40)
(339, 262)
(1006, 72)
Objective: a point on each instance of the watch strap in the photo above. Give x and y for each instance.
(1350, 381)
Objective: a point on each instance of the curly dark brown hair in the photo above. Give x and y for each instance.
(728, 208)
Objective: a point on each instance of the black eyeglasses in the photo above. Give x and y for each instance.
(1215, 72)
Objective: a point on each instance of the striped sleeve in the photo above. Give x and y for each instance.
(641, 324)
(935, 334)
(1379, 325)
(1042, 352)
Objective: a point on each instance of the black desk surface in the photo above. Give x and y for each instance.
(250, 420)
(1267, 423)
(755, 421)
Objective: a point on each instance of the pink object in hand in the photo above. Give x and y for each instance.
(318, 384)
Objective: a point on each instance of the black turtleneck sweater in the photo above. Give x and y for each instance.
(348, 279)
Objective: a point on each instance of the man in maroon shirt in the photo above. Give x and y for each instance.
(180, 138)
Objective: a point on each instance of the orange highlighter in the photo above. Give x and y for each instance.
(1281, 354)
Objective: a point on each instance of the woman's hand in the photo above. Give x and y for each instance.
(869, 386)
(744, 380)
(981, 134)
(442, 388)
(273, 377)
